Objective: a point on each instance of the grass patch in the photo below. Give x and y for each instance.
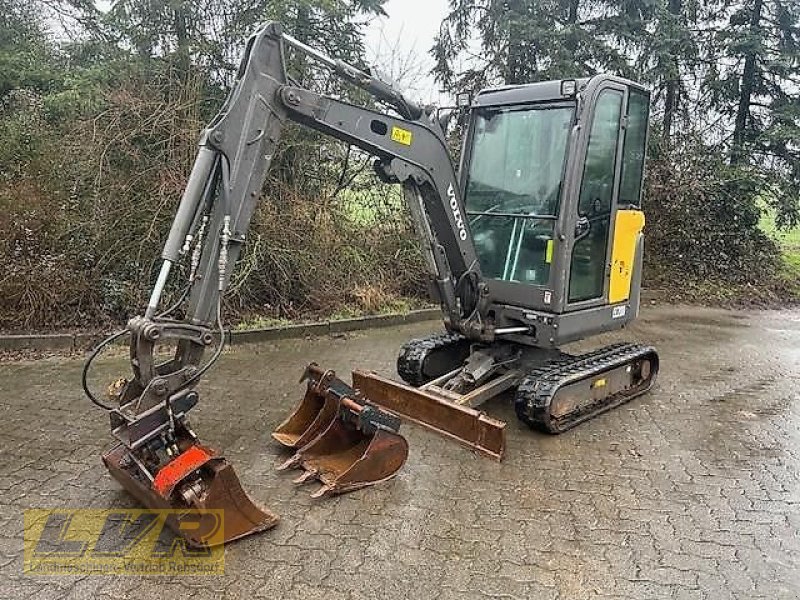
(786, 239)
(789, 243)
(368, 208)
(390, 306)
(261, 323)
(790, 273)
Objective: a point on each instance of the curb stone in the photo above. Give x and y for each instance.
(80, 342)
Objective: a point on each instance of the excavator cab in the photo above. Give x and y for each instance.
(551, 180)
(552, 177)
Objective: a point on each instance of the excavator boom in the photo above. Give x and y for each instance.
(352, 442)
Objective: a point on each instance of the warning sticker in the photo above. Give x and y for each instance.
(548, 257)
(401, 136)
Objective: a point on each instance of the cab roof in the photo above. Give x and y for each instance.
(542, 91)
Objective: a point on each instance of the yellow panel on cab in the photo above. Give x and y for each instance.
(627, 228)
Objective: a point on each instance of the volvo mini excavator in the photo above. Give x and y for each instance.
(534, 242)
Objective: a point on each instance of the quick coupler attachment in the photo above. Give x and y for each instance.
(340, 438)
(176, 472)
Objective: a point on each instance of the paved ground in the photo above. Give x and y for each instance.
(690, 492)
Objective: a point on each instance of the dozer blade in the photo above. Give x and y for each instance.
(473, 428)
(312, 416)
(359, 446)
(196, 479)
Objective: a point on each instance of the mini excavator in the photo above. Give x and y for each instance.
(534, 242)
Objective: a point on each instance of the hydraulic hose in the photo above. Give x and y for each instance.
(87, 365)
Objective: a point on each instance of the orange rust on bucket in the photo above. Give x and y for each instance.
(349, 443)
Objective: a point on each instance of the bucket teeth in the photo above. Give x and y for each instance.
(305, 477)
(349, 443)
(290, 463)
(323, 490)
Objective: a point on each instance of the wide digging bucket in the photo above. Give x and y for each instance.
(196, 479)
(360, 446)
(312, 416)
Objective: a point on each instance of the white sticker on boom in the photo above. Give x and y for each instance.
(618, 312)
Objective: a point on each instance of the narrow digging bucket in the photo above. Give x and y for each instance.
(310, 418)
(341, 439)
(196, 479)
(344, 459)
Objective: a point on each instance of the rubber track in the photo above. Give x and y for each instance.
(412, 356)
(537, 389)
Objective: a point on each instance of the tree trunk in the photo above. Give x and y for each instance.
(746, 87)
(512, 74)
(672, 98)
(572, 19)
(180, 27)
(512, 59)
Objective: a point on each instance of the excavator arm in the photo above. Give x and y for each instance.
(237, 148)
(149, 414)
(234, 156)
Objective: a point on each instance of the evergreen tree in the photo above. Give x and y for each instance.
(24, 52)
(211, 33)
(670, 61)
(755, 85)
(523, 41)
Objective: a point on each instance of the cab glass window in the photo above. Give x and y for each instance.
(588, 265)
(514, 188)
(633, 151)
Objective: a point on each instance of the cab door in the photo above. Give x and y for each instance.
(602, 259)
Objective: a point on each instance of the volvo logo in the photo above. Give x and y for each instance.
(459, 220)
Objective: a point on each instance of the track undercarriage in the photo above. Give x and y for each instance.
(553, 391)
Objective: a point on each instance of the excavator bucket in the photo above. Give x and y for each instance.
(344, 459)
(312, 416)
(196, 479)
(359, 444)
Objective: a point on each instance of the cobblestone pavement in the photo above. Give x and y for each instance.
(692, 491)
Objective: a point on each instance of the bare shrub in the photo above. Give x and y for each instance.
(702, 220)
(83, 218)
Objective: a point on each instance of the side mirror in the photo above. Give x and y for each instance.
(445, 116)
(464, 100)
